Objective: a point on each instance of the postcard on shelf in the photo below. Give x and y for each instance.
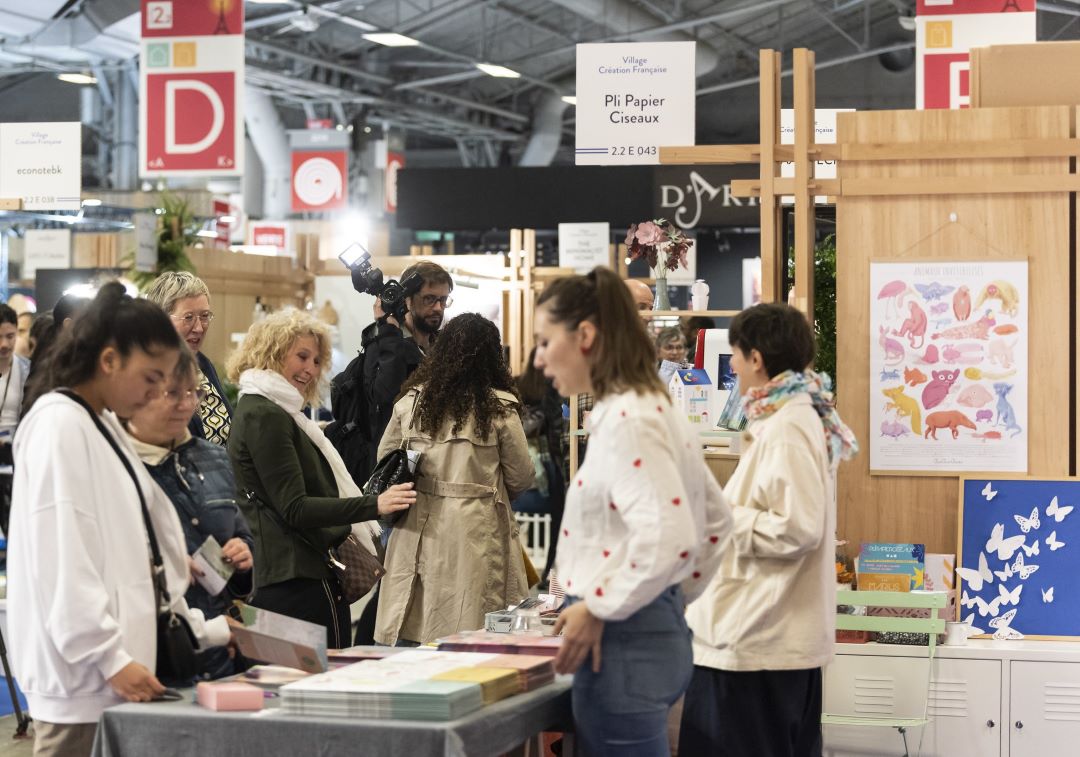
(891, 567)
(281, 640)
(210, 561)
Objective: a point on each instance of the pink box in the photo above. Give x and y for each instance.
(232, 696)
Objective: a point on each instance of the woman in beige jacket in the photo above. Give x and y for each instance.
(455, 555)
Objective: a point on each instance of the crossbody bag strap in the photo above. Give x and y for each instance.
(277, 517)
(158, 565)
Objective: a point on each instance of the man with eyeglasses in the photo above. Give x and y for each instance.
(186, 300)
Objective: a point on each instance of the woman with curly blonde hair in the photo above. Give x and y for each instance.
(300, 499)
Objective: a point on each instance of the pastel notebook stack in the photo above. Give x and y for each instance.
(533, 671)
(495, 683)
(501, 643)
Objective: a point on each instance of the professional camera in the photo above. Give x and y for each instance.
(367, 279)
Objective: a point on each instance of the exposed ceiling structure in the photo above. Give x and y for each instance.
(314, 60)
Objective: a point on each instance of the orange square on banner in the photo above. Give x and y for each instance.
(183, 54)
(938, 34)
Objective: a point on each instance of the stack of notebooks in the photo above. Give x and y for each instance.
(501, 643)
(416, 685)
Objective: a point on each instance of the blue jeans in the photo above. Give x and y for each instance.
(645, 666)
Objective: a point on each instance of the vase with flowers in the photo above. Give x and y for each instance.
(664, 247)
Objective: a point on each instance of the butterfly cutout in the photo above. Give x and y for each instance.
(1026, 524)
(1005, 575)
(985, 608)
(1048, 595)
(1006, 597)
(1057, 512)
(1004, 547)
(989, 492)
(976, 578)
(1032, 550)
(1004, 631)
(1053, 543)
(1024, 571)
(972, 629)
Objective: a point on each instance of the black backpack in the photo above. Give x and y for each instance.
(350, 428)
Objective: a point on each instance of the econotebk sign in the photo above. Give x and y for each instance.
(191, 83)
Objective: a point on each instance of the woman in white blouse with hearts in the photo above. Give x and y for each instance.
(644, 525)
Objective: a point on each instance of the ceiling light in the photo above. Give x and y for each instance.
(907, 23)
(391, 39)
(77, 78)
(501, 72)
(570, 99)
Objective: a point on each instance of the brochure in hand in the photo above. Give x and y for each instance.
(281, 640)
(210, 561)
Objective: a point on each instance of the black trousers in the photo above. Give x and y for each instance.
(767, 713)
(320, 602)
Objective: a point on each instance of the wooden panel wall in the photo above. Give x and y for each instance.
(923, 509)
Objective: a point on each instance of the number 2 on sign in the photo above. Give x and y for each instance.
(159, 15)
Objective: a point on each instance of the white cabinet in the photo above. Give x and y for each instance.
(964, 705)
(1044, 709)
(987, 699)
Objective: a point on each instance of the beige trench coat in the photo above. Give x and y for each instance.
(455, 555)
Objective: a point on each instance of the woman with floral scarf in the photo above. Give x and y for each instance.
(765, 626)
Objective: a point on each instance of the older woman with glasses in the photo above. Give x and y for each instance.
(198, 478)
(185, 298)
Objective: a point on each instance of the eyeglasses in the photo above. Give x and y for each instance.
(188, 319)
(429, 300)
(175, 396)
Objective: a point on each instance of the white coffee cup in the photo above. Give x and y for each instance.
(956, 633)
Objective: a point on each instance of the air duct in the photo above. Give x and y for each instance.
(621, 18)
(271, 142)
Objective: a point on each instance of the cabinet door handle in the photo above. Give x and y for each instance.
(990, 724)
(1019, 724)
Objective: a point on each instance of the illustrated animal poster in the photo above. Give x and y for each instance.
(1019, 556)
(949, 367)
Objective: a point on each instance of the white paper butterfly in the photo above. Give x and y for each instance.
(1006, 597)
(1048, 595)
(1005, 575)
(988, 492)
(1053, 543)
(1026, 524)
(1058, 513)
(985, 608)
(972, 629)
(1004, 632)
(976, 578)
(1024, 571)
(1032, 550)
(1004, 547)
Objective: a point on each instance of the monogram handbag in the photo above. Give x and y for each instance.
(177, 658)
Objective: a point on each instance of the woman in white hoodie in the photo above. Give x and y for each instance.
(79, 565)
(765, 625)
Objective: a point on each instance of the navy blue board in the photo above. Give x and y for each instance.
(1020, 555)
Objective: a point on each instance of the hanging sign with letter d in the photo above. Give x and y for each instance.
(191, 84)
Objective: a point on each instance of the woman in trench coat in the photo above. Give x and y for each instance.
(455, 555)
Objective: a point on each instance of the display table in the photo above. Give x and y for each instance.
(987, 698)
(181, 729)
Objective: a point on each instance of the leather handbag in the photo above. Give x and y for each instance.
(394, 468)
(177, 658)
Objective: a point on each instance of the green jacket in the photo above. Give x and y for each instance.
(274, 458)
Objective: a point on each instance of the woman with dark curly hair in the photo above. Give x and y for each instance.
(455, 555)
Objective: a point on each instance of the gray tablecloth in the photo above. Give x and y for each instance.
(182, 729)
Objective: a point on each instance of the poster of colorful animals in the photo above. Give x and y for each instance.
(1019, 557)
(949, 367)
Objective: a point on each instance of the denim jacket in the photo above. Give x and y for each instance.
(198, 478)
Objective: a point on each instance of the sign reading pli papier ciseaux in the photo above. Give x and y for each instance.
(191, 82)
(632, 99)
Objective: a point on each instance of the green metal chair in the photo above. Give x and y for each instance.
(932, 626)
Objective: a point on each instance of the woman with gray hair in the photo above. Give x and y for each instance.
(185, 298)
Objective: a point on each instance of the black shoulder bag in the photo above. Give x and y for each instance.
(176, 644)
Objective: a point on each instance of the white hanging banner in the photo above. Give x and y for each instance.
(191, 85)
(146, 237)
(41, 164)
(45, 248)
(583, 246)
(632, 99)
(824, 134)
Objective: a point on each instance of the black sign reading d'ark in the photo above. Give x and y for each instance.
(542, 198)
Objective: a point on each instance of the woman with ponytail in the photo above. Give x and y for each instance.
(765, 625)
(644, 525)
(79, 565)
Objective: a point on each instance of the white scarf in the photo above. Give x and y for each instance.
(277, 389)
